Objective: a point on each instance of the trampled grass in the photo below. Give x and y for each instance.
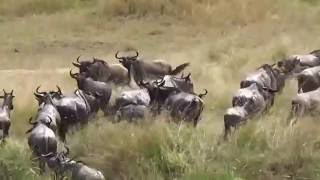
(223, 40)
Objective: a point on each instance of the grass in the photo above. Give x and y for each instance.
(40, 39)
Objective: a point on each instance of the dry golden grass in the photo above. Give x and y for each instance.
(223, 40)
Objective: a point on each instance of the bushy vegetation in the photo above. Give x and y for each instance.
(223, 40)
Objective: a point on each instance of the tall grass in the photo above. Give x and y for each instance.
(33, 7)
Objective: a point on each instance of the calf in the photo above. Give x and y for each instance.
(305, 103)
(5, 109)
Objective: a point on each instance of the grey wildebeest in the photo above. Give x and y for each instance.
(304, 104)
(79, 170)
(47, 112)
(149, 70)
(100, 70)
(5, 109)
(42, 140)
(308, 79)
(185, 106)
(90, 86)
(297, 63)
(247, 103)
(74, 109)
(267, 79)
(265, 76)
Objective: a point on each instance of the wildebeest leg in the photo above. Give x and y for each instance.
(6, 129)
(62, 130)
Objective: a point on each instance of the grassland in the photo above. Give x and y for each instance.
(223, 40)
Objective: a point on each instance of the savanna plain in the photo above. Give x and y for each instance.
(223, 41)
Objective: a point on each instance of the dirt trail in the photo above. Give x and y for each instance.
(35, 71)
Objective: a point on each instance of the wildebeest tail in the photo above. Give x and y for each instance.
(179, 68)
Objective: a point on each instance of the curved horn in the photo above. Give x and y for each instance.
(188, 76)
(59, 90)
(4, 91)
(77, 63)
(74, 76)
(30, 121)
(11, 91)
(203, 94)
(38, 92)
(46, 155)
(78, 59)
(116, 55)
(137, 54)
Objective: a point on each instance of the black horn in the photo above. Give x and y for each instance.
(47, 155)
(203, 94)
(30, 121)
(59, 90)
(77, 63)
(116, 55)
(137, 54)
(73, 75)
(38, 92)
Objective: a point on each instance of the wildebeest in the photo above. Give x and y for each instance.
(79, 171)
(5, 109)
(131, 112)
(42, 140)
(253, 98)
(305, 103)
(185, 106)
(90, 86)
(100, 70)
(247, 103)
(47, 112)
(308, 79)
(297, 63)
(149, 70)
(137, 95)
(265, 76)
(233, 117)
(76, 108)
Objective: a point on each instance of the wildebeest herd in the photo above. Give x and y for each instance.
(153, 88)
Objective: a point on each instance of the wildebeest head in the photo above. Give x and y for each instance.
(233, 118)
(55, 160)
(126, 61)
(82, 65)
(7, 99)
(79, 77)
(288, 65)
(43, 97)
(153, 88)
